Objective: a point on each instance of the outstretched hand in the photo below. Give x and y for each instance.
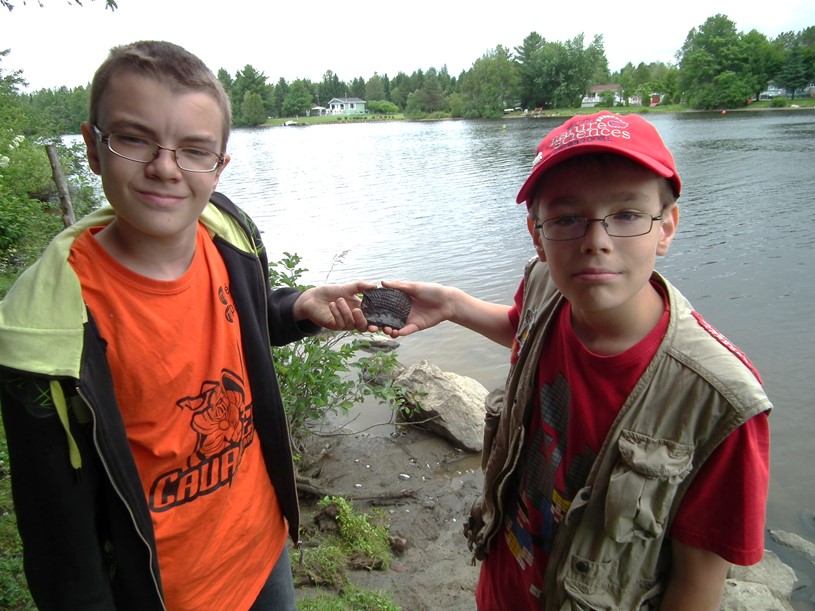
(334, 306)
(430, 304)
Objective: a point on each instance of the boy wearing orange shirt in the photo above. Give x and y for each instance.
(149, 449)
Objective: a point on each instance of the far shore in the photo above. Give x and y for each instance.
(803, 104)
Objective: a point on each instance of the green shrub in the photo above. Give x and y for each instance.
(778, 103)
(315, 373)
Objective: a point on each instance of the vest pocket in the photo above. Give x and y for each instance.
(493, 405)
(643, 485)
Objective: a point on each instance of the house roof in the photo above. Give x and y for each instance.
(345, 100)
(599, 88)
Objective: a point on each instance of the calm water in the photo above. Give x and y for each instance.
(435, 202)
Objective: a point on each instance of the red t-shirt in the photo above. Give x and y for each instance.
(175, 352)
(579, 394)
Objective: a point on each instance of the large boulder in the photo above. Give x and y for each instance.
(445, 403)
(766, 586)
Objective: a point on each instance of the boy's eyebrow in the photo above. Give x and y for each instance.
(615, 198)
(117, 126)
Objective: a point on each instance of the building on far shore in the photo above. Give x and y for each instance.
(346, 106)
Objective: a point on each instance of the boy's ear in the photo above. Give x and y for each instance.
(217, 173)
(667, 228)
(536, 237)
(91, 144)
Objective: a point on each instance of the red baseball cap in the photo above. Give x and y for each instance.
(603, 132)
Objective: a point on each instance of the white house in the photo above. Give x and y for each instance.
(346, 106)
(595, 96)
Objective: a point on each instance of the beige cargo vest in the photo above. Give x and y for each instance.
(609, 552)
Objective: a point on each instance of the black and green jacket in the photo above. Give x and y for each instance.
(87, 534)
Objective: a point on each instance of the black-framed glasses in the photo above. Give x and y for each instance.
(617, 225)
(144, 150)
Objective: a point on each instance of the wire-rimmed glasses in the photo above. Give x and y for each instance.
(617, 225)
(144, 150)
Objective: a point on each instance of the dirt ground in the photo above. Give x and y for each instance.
(426, 487)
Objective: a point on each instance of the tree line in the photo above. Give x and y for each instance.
(718, 67)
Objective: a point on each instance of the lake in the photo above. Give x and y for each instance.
(434, 201)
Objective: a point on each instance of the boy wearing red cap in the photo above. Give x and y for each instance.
(626, 459)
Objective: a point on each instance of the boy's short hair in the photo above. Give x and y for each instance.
(630, 136)
(169, 64)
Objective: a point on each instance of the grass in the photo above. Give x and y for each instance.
(345, 540)
(317, 120)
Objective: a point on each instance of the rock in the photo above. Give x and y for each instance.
(749, 596)
(447, 404)
(769, 572)
(796, 542)
(376, 344)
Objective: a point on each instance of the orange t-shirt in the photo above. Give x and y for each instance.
(175, 352)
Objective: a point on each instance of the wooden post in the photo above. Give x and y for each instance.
(62, 187)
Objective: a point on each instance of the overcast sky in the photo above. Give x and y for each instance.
(63, 44)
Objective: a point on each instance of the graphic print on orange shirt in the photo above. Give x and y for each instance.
(223, 426)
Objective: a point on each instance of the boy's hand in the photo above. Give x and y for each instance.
(334, 306)
(430, 304)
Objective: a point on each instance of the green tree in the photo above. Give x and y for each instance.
(332, 87)
(226, 79)
(252, 110)
(281, 90)
(795, 66)
(762, 59)
(375, 88)
(249, 80)
(491, 84)
(357, 88)
(428, 99)
(59, 111)
(298, 100)
(28, 196)
(712, 64)
(794, 73)
(552, 76)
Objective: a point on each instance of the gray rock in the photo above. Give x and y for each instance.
(447, 404)
(795, 542)
(770, 572)
(749, 596)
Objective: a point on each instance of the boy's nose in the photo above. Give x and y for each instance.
(164, 162)
(596, 236)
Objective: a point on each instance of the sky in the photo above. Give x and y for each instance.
(62, 43)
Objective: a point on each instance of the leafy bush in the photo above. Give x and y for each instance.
(315, 373)
(382, 107)
(29, 202)
(778, 102)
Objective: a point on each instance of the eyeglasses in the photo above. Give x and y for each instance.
(143, 150)
(617, 225)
